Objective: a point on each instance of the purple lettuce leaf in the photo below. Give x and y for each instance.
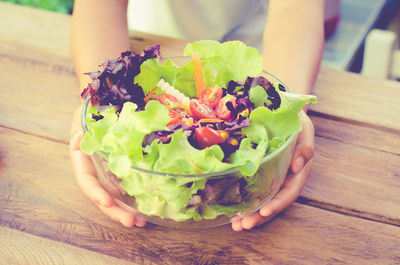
(114, 83)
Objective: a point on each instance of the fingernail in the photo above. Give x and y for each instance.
(265, 212)
(236, 226)
(140, 222)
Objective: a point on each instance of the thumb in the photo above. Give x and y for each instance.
(75, 141)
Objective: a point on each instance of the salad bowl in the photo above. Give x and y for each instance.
(173, 175)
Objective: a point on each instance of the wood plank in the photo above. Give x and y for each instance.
(350, 96)
(357, 134)
(23, 27)
(300, 235)
(22, 248)
(34, 32)
(38, 95)
(39, 196)
(354, 180)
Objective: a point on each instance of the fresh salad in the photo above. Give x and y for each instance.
(217, 112)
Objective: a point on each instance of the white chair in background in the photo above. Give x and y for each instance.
(381, 56)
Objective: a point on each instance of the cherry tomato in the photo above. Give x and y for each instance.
(222, 110)
(211, 96)
(200, 110)
(170, 101)
(206, 137)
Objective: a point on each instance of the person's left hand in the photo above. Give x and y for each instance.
(86, 178)
(300, 168)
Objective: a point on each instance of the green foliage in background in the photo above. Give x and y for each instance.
(62, 6)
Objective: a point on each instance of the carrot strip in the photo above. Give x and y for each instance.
(209, 120)
(198, 74)
(151, 93)
(194, 165)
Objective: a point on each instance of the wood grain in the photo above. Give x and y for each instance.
(300, 235)
(38, 95)
(355, 180)
(39, 196)
(22, 248)
(42, 31)
(34, 32)
(357, 134)
(350, 96)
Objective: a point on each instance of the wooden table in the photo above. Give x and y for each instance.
(348, 212)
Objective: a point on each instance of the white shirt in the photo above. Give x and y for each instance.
(220, 20)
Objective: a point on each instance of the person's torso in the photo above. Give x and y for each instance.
(220, 20)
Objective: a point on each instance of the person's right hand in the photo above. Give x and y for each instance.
(86, 178)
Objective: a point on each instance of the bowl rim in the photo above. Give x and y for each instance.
(266, 158)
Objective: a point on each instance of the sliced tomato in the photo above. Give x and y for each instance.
(175, 121)
(206, 137)
(211, 95)
(174, 114)
(175, 117)
(200, 110)
(170, 101)
(222, 110)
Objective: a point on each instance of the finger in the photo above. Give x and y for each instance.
(288, 194)
(237, 226)
(119, 215)
(254, 220)
(87, 180)
(304, 149)
(140, 221)
(74, 142)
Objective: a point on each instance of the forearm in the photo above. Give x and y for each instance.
(99, 30)
(293, 42)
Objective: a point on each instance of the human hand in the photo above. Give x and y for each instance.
(300, 168)
(86, 178)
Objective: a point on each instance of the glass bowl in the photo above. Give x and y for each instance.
(267, 182)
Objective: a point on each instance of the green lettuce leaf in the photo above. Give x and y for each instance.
(162, 196)
(126, 136)
(231, 60)
(179, 157)
(185, 81)
(151, 71)
(284, 121)
(258, 96)
(203, 48)
(248, 159)
(92, 140)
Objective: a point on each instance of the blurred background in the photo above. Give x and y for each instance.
(364, 40)
(62, 6)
